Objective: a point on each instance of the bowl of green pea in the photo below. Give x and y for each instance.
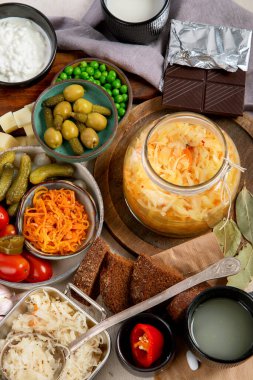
(104, 74)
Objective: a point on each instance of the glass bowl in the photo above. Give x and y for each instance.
(94, 94)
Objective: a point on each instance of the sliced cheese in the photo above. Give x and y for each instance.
(22, 117)
(30, 106)
(8, 123)
(27, 141)
(7, 141)
(28, 129)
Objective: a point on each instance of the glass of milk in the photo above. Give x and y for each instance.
(136, 21)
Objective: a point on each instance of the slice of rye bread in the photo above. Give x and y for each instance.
(87, 275)
(179, 304)
(149, 278)
(115, 280)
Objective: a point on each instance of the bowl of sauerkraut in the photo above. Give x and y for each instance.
(177, 179)
(47, 311)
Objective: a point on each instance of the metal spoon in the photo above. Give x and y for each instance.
(223, 268)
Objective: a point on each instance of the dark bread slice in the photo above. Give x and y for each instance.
(179, 304)
(87, 275)
(149, 278)
(115, 280)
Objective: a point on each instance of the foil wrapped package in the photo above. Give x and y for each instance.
(208, 47)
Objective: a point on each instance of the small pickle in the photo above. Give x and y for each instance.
(20, 183)
(12, 245)
(7, 157)
(48, 116)
(58, 120)
(89, 138)
(51, 102)
(51, 170)
(76, 146)
(73, 92)
(13, 209)
(79, 116)
(100, 109)
(96, 121)
(81, 126)
(6, 179)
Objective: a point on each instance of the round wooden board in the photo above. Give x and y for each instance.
(109, 168)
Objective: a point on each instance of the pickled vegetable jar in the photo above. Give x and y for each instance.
(179, 176)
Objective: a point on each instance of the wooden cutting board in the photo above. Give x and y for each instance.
(12, 99)
(109, 169)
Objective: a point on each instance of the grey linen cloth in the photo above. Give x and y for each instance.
(91, 36)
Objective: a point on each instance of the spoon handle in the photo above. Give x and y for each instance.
(223, 268)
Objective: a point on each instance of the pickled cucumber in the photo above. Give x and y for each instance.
(7, 157)
(48, 116)
(51, 170)
(76, 146)
(20, 183)
(100, 109)
(79, 116)
(51, 102)
(58, 120)
(13, 209)
(81, 126)
(6, 179)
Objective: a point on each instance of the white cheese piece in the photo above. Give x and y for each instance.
(8, 123)
(22, 117)
(27, 141)
(30, 106)
(28, 129)
(7, 141)
(192, 361)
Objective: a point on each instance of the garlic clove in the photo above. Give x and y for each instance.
(6, 305)
(5, 292)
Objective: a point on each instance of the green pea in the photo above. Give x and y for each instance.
(102, 79)
(83, 64)
(118, 99)
(119, 117)
(84, 75)
(123, 105)
(63, 76)
(108, 86)
(102, 67)
(68, 70)
(77, 71)
(91, 79)
(97, 74)
(111, 76)
(58, 79)
(115, 92)
(117, 106)
(109, 91)
(125, 97)
(90, 70)
(105, 73)
(121, 111)
(116, 83)
(83, 69)
(94, 64)
(96, 81)
(69, 77)
(123, 89)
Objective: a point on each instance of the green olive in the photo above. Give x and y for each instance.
(73, 92)
(96, 121)
(89, 138)
(69, 130)
(63, 109)
(53, 138)
(82, 106)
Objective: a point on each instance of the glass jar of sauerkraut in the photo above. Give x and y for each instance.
(179, 176)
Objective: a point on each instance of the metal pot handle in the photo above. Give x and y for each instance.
(93, 303)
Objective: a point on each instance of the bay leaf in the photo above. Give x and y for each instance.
(240, 280)
(244, 213)
(229, 237)
(245, 255)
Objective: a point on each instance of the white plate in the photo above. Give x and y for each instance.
(63, 268)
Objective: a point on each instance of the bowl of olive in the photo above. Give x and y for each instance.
(104, 74)
(75, 120)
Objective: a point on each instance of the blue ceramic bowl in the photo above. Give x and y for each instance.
(94, 94)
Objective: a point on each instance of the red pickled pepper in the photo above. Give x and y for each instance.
(146, 344)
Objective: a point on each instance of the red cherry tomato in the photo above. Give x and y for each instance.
(8, 230)
(13, 268)
(4, 218)
(40, 270)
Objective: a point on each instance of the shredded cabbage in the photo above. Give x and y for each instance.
(183, 154)
(57, 319)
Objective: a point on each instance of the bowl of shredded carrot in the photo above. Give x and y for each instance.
(57, 219)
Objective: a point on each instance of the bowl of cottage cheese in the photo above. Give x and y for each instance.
(28, 44)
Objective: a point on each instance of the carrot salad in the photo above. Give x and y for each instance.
(56, 223)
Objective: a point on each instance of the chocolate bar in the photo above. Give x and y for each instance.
(217, 92)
